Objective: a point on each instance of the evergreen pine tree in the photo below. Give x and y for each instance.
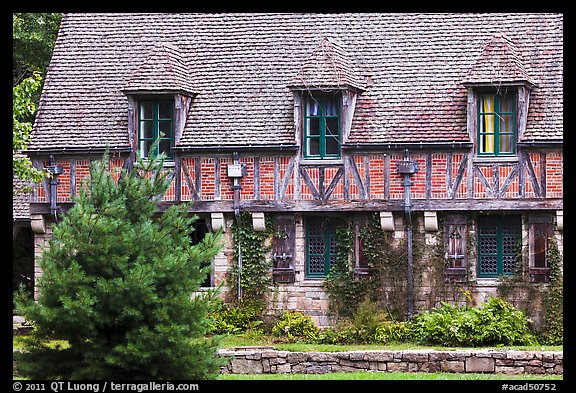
(119, 286)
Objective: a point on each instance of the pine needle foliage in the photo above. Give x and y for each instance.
(119, 285)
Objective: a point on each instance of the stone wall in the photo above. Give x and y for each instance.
(268, 361)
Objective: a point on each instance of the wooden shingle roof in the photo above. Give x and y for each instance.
(328, 66)
(164, 70)
(499, 63)
(410, 70)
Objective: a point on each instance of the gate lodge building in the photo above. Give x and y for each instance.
(447, 125)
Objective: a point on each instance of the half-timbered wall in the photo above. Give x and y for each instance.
(449, 175)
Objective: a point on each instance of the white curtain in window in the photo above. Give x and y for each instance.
(331, 109)
(313, 108)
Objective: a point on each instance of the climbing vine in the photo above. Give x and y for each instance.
(254, 246)
(517, 287)
(344, 290)
(389, 267)
(387, 283)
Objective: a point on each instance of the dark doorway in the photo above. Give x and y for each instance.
(23, 261)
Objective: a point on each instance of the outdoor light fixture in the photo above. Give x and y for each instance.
(407, 168)
(55, 170)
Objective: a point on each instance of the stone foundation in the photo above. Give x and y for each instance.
(268, 361)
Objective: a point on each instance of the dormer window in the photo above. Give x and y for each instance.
(499, 88)
(322, 136)
(325, 90)
(156, 124)
(160, 93)
(497, 129)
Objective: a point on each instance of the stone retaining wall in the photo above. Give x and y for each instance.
(269, 361)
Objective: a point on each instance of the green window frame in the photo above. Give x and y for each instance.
(498, 240)
(322, 135)
(156, 124)
(320, 246)
(497, 128)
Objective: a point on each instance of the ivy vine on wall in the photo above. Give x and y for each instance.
(538, 299)
(254, 246)
(344, 290)
(387, 283)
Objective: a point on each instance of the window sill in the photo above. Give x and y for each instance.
(313, 281)
(167, 164)
(487, 281)
(494, 160)
(320, 161)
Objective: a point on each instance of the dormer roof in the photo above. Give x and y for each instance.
(164, 70)
(329, 65)
(500, 62)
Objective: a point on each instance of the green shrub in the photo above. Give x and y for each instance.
(332, 336)
(394, 332)
(238, 317)
(343, 333)
(367, 318)
(296, 326)
(497, 322)
(369, 324)
(116, 285)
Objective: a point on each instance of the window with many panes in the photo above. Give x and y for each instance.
(320, 245)
(497, 124)
(156, 124)
(322, 126)
(499, 239)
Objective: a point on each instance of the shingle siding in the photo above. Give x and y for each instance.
(241, 66)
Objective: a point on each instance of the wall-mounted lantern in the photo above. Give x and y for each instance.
(55, 170)
(408, 167)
